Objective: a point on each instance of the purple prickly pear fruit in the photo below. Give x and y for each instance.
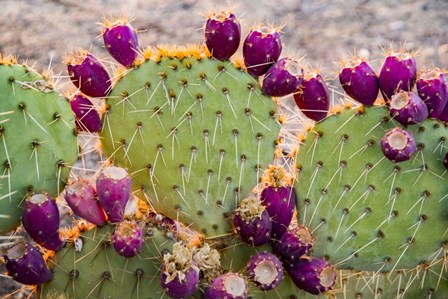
(265, 270)
(279, 199)
(407, 107)
(26, 265)
(445, 161)
(163, 222)
(81, 198)
(128, 239)
(312, 96)
(87, 117)
(283, 78)
(88, 74)
(294, 243)
(398, 145)
(433, 90)
(398, 72)
(120, 40)
(252, 222)
(40, 219)
(359, 81)
(311, 274)
(180, 276)
(113, 187)
(222, 34)
(444, 115)
(262, 47)
(227, 286)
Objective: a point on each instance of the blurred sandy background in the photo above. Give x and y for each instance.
(322, 31)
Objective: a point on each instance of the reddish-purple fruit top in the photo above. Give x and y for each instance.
(262, 47)
(359, 81)
(398, 145)
(222, 34)
(88, 74)
(120, 40)
(398, 72)
(433, 89)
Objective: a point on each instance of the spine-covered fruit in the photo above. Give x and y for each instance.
(294, 243)
(265, 270)
(279, 198)
(88, 74)
(283, 78)
(398, 145)
(40, 219)
(87, 117)
(120, 40)
(113, 187)
(262, 47)
(180, 275)
(26, 265)
(81, 198)
(227, 286)
(359, 81)
(128, 238)
(252, 222)
(312, 96)
(407, 107)
(433, 90)
(222, 34)
(311, 274)
(398, 72)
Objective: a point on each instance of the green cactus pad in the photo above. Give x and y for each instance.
(97, 271)
(195, 134)
(37, 140)
(368, 213)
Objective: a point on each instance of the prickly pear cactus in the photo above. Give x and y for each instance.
(368, 213)
(89, 267)
(37, 137)
(198, 134)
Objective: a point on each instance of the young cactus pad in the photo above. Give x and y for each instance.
(95, 270)
(197, 134)
(37, 139)
(366, 212)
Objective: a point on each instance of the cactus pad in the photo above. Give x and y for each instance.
(368, 213)
(194, 133)
(97, 271)
(37, 139)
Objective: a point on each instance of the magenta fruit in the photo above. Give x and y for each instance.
(81, 198)
(262, 47)
(360, 82)
(40, 219)
(280, 203)
(121, 40)
(398, 72)
(252, 222)
(180, 276)
(311, 274)
(113, 187)
(88, 74)
(444, 115)
(227, 286)
(294, 243)
(312, 96)
(445, 161)
(433, 90)
(128, 239)
(87, 117)
(398, 145)
(265, 270)
(408, 108)
(283, 78)
(26, 265)
(222, 34)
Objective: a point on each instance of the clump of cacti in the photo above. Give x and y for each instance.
(203, 194)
